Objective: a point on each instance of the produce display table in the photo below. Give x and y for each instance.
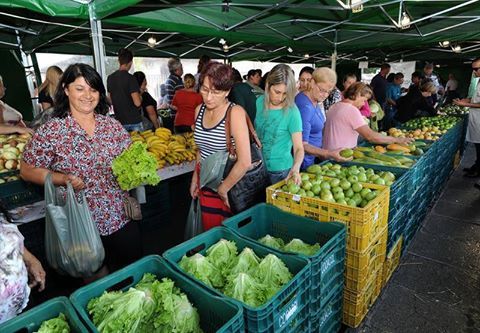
(171, 171)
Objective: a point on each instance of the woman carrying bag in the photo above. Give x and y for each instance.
(77, 147)
(216, 80)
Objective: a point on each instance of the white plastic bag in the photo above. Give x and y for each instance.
(72, 242)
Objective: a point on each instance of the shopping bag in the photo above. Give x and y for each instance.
(72, 242)
(194, 225)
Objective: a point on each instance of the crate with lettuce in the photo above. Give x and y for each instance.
(149, 296)
(54, 316)
(271, 286)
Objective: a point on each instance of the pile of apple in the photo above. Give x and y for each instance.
(11, 149)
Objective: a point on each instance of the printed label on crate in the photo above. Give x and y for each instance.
(296, 197)
(326, 315)
(290, 310)
(327, 263)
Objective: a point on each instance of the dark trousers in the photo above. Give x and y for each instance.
(477, 161)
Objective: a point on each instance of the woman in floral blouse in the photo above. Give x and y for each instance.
(78, 146)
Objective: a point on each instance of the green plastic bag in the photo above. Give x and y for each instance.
(72, 242)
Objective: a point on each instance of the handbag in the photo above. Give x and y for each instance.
(249, 190)
(132, 208)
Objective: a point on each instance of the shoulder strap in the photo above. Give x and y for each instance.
(251, 130)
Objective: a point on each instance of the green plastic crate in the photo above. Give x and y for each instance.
(282, 312)
(327, 264)
(216, 313)
(329, 318)
(31, 320)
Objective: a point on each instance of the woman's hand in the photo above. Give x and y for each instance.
(36, 274)
(335, 155)
(295, 176)
(223, 193)
(405, 141)
(461, 102)
(194, 187)
(76, 182)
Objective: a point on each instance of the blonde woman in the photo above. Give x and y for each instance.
(184, 102)
(46, 92)
(279, 125)
(309, 103)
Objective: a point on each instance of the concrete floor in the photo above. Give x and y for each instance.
(436, 288)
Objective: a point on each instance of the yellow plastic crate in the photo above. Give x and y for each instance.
(356, 304)
(359, 267)
(363, 224)
(392, 261)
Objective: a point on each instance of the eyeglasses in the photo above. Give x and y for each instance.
(205, 91)
(323, 91)
(475, 69)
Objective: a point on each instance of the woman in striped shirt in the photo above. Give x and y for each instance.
(216, 81)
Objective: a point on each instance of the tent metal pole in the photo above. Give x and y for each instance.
(27, 66)
(334, 54)
(197, 47)
(97, 42)
(451, 27)
(444, 11)
(261, 13)
(36, 68)
(137, 38)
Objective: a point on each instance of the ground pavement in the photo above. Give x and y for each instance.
(436, 288)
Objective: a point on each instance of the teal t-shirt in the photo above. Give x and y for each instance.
(275, 128)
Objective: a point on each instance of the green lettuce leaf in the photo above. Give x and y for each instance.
(201, 268)
(276, 243)
(246, 262)
(272, 273)
(298, 246)
(135, 167)
(246, 289)
(222, 254)
(55, 325)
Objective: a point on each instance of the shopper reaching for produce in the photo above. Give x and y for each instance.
(309, 103)
(345, 123)
(279, 126)
(78, 146)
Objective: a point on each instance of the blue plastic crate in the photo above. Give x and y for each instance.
(31, 320)
(329, 318)
(216, 313)
(327, 265)
(283, 310)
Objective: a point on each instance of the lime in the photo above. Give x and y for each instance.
(293, 188)
(345, 184)
(316, 189)
(353, 179)
(342, 202)
(379, 181)
(363, 203)
(346, 153)
(302, 192)
(338, 196)
(364, 192)
(357, 187)
(349, 193)
(310, 194)
(334, 182)
(307, 185)
(304, 176)
(325, 186)
(352, 203)
(362, 177)
(370, 196)
(358, 199)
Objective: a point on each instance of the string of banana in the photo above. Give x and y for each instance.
(167, 147)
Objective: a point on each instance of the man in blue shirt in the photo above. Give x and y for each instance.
(393, 93)
(379, 84)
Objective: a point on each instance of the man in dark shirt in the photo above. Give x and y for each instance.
(174, 82)
(242, 94)
(124, 93)
(379, 84)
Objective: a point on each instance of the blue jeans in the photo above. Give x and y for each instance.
(277, 176)
(133, 127)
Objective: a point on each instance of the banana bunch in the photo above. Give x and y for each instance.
(167, 148)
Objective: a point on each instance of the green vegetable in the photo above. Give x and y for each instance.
(246, 289)
(246, 262)
(298, 246)
(150, 306)
(273, 274)
(276, 243)
(55, 325)
(135, 167)
(203, 269)
(222, 254)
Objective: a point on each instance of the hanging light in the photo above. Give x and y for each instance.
(405, 21)
(457, 48)
(356, 6)
(226, 48)
(152, 41)
(445, 43)
(306, 56)
(290, 49)
(222, 41)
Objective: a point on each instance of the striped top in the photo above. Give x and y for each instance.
(209, 140)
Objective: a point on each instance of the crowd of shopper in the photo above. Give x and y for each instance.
(298, 123)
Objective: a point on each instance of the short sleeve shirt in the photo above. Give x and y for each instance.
(121, 85)
(343, 120)
(61, 145)
(313, 121)
(275, 128)
(44, 97)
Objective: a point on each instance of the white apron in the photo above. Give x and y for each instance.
(473, 129)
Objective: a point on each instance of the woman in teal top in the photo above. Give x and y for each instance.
(279, 126)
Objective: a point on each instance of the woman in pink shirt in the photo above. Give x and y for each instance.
(348, 80)
(345, 122)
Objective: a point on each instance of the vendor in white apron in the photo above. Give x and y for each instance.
(473, 129)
